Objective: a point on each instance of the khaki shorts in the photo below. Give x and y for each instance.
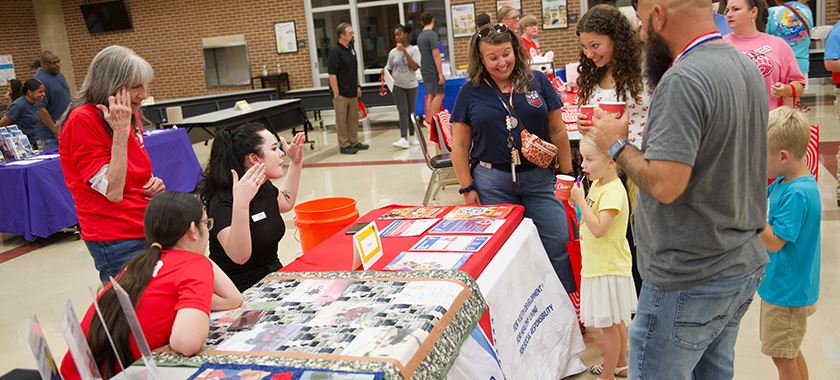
(783, 328)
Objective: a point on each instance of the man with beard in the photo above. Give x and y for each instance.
(344, 83)
(701, 173)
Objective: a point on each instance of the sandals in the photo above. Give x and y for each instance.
(598, 368)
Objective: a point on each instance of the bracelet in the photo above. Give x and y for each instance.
(467, 189)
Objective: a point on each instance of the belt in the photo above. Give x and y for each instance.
(505, 167)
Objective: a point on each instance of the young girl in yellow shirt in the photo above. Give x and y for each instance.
(607, 295)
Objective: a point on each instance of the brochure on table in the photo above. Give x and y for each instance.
(470, 212)
(468, 226)
(451, 243)
(413, 213)
(41, 350)
(136, 330)
(77, 345)
(407, 227)
(367, 246)
(428, 260)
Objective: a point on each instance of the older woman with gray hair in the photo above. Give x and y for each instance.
(509, 138)
(105, 164)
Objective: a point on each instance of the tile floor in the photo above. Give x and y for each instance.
(42, 281)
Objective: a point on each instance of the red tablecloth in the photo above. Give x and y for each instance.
(335, 253)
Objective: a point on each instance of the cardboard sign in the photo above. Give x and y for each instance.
(367, 247)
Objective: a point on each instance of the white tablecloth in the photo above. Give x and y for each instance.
(535, 329)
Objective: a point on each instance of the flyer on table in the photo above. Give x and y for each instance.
(451, 243)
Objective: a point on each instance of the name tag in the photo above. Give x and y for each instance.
(258, 217)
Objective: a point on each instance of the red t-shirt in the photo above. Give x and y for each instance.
(530, 47)
(85, 147)
(184, 280)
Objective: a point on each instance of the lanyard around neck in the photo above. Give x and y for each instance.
(498, 91)
(697, 41)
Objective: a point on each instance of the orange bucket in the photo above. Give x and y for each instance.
(319, 219)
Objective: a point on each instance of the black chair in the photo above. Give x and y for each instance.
(439, 164)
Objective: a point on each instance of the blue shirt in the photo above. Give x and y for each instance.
(722, 24)
(58, 93)
(481, 108)
(792, 278)
(832, 43)
(782, 22)
(25, 115)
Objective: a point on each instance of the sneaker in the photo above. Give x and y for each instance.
(413, 140)
(348, 150)
(360, 146)
(401, 143)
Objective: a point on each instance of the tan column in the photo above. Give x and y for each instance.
(50, 19)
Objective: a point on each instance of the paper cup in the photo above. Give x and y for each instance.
(563, 186)
(588, 111)
(615, 109)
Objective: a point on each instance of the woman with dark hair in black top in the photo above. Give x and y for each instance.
(245, 204)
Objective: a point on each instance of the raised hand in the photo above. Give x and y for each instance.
(245, 188)
(118, 112)
(295, 149)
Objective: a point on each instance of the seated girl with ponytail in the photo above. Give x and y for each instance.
(244, 203)
(171, 283)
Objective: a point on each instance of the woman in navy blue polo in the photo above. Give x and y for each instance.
(503, 97)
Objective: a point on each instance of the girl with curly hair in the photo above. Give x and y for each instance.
(611, 67)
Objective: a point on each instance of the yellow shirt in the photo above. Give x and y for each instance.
(610, 254)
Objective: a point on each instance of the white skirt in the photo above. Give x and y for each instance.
(607, 300)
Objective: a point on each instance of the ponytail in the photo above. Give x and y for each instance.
(168, 217)
(230, 148)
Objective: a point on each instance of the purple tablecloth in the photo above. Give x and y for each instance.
(35, 202)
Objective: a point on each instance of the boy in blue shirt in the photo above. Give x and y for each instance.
(790, 287)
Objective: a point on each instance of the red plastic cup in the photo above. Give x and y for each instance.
(615, 109)
(563, 186)
(588, 111)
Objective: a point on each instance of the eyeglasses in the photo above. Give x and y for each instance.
(53, 62)
(490, 29)
(514, 18)
(208, 222)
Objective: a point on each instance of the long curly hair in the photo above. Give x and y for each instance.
(627, 54)
(521, 76)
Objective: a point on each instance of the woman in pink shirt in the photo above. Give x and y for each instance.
(771, 54)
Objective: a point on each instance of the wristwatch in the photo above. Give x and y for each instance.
(617, 147)
(467, 189)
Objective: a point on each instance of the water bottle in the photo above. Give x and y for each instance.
(265, 71)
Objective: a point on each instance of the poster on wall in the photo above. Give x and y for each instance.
(555, 14)
(7, 69)
(284, 33)
(463, 20)
(515, 4)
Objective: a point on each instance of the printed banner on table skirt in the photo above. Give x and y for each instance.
(476, 360)
(534, 326)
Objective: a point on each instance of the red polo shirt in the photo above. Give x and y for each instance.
(85, 147)
(184, 280)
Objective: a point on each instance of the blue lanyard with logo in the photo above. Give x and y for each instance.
(511, 122)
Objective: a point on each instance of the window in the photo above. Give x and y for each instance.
(325, 34)
(377, 36)
(226, 61)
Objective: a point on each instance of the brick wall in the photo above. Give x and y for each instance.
(832, 11)
(168, 34)
(563, 42)
(19, 36)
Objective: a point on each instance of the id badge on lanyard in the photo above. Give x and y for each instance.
(511, 122)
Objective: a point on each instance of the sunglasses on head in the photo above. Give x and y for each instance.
(490, 29)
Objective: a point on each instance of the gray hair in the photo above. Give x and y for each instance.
(342, 28)
(111, 69)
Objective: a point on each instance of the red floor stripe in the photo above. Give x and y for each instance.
(363, 163)
(31, 246)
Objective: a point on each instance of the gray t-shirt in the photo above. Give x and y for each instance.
(427, 41)
(709, 111)
(404, 76)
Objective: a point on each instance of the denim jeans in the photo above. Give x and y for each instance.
(690, 334)
(110, 256)
(534, 189)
